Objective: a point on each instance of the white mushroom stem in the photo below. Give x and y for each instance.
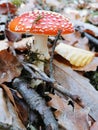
(40, 46)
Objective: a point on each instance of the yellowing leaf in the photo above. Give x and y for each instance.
(76, 56)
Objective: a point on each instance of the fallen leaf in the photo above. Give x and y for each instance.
(54, 3)
(9, 67)
(90, 67)
(93, 18)
(3, 19)
(6, 7)
(76, 56)
(11, 98)
(29, 6)
(22, 107)
(76, 84)
(76, 40)
(73, 13)
(13, 37)
(16, 122)
(94, 6)
(94, 126)
(19, 45)
(3, 45)
(67, 117)
(22, 44)
(5, 117)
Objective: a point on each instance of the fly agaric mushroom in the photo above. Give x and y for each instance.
(41, 24)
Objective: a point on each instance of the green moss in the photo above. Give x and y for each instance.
(93, 76)
(17, 2)
(94, 13)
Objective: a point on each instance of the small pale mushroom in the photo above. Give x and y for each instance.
(41, 24)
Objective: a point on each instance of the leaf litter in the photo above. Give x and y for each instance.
(67, 76)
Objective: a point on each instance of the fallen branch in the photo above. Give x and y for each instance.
(91, 38)
(36, 103)
(42, 76)
(52, 82)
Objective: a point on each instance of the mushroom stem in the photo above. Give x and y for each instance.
(40, 46)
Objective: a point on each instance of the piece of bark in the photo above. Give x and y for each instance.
(77, 85)
(35, 102)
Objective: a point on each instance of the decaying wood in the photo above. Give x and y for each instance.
(36, 103)
(76, 84)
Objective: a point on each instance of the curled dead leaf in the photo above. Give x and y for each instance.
(76, 56)
(90, 67)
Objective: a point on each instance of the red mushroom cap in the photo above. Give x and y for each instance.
(42, 23)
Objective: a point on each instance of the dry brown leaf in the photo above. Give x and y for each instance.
(9, 67)
(76, 40)
(8, 116)
(67, 118)
(5, 117)
(13, 37)
(75, 14)
(94, 126)
(76, 56)
(6, 7)
(19, 45)
(93, 19)
(76, 84)
(16, 122)
(22, 45)
(3, 45)
(22, 108)
(10, 96)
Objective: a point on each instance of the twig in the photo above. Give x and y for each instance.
(35, 102)
(41, 76)
(52, 53)
(65, 92)
(91, 38)
(52, 82)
